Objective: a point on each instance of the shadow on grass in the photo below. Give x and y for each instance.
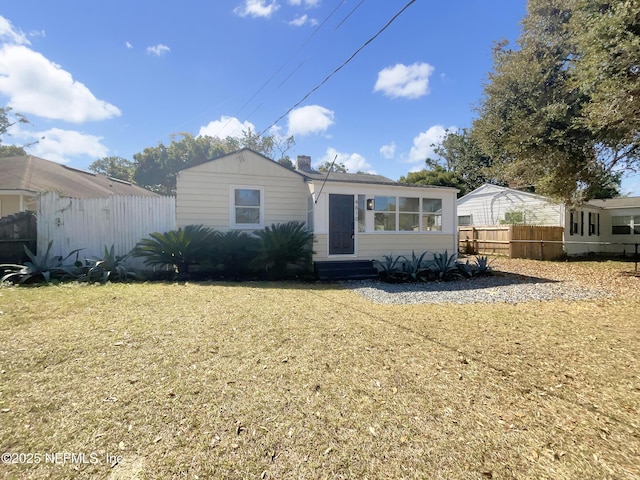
(498, 279)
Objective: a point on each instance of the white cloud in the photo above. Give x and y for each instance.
(128, 45)
(425, 143)
(405, 81)
(37, 33)
(299, 21)
(158, 50)
(257, 8)
(306, 3)
(388, 151)
(226, 127)
(37, 86)
(353, 161)
(61, 145)
(310, 119)
(10, 34)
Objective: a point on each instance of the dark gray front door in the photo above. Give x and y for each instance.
(341, 233)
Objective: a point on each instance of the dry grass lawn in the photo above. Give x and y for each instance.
(278, 381)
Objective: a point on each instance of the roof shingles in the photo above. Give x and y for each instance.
(34, 174)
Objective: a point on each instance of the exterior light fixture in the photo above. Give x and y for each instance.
(369, 203)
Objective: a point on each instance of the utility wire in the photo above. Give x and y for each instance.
(284, 64)
(349, 14)
(326, 79)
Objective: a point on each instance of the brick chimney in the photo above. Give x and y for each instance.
(303, 163)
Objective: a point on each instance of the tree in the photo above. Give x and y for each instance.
(11, 151)
(287, 163)
(435, 175)
(6, 122)
(333, 167)
(116, 167)
(156, 168)
(531, 117)
(464, 157)
(607, 68)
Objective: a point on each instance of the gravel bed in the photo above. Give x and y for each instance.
(493, 289)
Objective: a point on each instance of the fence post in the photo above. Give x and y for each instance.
(474, 237)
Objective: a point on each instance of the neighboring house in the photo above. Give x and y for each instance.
(602, 226)
(23, 178)
(353, 216)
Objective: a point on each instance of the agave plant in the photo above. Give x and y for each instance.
(415, 267)
(283, 245)
(483, 265)
(389, 270)
(41, 268)
(445, 266)
(177, 248)
(109, 267)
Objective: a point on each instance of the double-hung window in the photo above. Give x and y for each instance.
(247, 207)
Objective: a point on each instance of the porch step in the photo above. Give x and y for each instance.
(345, 270)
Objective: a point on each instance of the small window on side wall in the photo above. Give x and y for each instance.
(247, 207)
(464, 220)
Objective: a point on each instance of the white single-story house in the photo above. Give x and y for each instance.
(600, 226)
(353, 216)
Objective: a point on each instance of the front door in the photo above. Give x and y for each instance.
(341, 224)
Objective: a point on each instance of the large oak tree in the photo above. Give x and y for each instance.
(534, 117)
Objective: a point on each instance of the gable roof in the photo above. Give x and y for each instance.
(316, 176)
(348, 177)
(490, 189)
(34, 174)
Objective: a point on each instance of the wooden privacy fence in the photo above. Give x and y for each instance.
(514, 241)
(93, 223)
(16, 231)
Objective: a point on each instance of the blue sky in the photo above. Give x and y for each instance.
(112, 78)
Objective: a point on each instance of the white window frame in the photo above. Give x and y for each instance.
(421, 228)
(465, 224)
(232, 208)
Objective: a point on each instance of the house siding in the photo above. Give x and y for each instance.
(204, 191)
(488, 205)
(581, 241)
(9, 205)
(373, 246)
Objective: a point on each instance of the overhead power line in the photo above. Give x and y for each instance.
(326, 79)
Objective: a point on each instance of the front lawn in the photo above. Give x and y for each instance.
(285, 380)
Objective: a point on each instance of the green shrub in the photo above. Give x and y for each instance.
(232, 254)
(284, 245)
(178, 249)
(41, 268)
